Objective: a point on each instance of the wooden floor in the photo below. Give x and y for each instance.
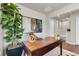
(72, 48)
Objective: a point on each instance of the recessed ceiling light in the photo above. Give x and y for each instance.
(47, 9)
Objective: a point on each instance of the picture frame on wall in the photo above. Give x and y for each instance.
(36, 25)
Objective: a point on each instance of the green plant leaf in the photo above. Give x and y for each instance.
(7, 38)
(11, 21)
(19, 36)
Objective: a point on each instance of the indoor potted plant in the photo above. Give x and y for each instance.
(11, 22)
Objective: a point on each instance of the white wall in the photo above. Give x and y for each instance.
(1, 36)
(31, 13)
(1, 40)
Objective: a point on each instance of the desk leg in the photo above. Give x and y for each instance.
(61, 49)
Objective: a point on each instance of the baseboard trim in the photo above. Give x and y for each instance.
(70, 42)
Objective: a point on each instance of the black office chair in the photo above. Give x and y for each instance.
(16, 51)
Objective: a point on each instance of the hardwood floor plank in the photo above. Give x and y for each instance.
(70, 47)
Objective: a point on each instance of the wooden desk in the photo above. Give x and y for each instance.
(41, 47)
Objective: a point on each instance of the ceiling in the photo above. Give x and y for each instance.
(45, 7)
(66, 16)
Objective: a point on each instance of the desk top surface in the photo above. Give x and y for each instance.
(32, 46)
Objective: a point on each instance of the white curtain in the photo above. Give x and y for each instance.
(27, 28)
(26, 24)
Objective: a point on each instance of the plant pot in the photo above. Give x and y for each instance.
(15, 51)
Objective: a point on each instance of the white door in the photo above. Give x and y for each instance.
(77, 30)
(64, 25)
